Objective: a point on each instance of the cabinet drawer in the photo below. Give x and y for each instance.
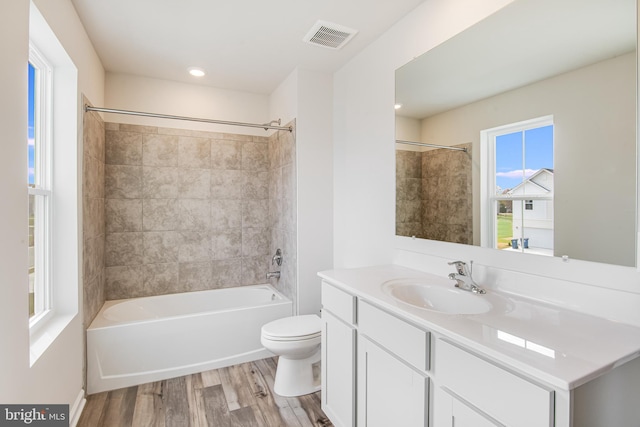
(508, 398)
(338, 302)
(406, 341)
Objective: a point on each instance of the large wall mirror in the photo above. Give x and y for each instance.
(525, 126)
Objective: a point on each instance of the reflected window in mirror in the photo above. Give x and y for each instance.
(519, 187)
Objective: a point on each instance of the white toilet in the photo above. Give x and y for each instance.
(297, 341)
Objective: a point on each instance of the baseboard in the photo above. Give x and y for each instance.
(76, 410)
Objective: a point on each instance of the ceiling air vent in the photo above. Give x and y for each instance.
(330, 35)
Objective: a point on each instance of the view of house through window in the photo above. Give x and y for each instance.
(39, 186)
(523, 182)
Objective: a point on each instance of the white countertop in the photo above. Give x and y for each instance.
(560, 347)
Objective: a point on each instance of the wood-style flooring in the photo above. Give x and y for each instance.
(240, 395)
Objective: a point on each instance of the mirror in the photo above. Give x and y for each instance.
(572, 62)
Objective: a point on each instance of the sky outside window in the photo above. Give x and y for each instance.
(512, 168)
(30, 134)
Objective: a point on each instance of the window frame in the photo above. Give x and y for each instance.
(42, 190)
(488, 197)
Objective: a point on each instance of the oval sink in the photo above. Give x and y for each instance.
(436, 297)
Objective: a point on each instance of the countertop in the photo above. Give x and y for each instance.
(563, 348)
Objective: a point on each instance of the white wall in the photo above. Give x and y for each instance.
(364, 132)
(307, 96)
(56, 377)
(127, 92)
(365, 192)
(14, 333)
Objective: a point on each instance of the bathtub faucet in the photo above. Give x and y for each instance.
(271, 274)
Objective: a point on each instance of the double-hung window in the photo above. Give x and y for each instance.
(517, 187)
(40, 188)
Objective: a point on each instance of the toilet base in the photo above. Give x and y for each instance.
(297, 377)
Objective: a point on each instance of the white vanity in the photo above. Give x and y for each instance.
(386, 362)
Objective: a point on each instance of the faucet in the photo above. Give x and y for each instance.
(463, 278)
(276, 259)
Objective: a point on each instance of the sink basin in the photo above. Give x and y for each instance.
(436, 297)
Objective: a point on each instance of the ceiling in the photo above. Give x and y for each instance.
(247, 45)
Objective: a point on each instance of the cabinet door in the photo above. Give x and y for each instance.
(463, 416)
(450, 412)
(390, 393)
(338, 370)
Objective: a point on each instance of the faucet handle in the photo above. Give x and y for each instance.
(277, 258)
(460, 267)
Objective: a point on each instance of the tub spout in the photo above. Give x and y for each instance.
(271, 274)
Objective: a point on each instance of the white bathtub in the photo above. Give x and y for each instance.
(140, 340)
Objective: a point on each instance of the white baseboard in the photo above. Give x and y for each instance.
(76, 410)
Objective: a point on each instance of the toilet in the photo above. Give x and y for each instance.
(296, 340)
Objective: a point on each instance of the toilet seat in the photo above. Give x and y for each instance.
(296, 328)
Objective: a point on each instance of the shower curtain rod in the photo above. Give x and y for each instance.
(426, 144)
(265, 126)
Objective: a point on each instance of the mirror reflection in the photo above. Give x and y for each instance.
(526, 130)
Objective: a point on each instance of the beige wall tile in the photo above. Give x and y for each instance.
(123, 182)
(255, 213)
(159, 150)
(123, 249)
(194, 152)
(194, 184)
(255, 242)
(226, 214)
(160, 214)
(124, 282)
(123, 215)
(160, 279)
(195, 214)
(226, 273)
(160, 182)
(123, 148)
(255, 185)
(195, 276)
(161, 247)
(195, 246)
(254, 156)
(226, 154)
(226, 244)
(226, 184)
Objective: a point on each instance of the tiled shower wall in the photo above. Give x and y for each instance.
(282, 210)
(191, 210)
(93, 229)
(434, 198)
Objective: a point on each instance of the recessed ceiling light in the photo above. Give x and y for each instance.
(398, 106)
(196, 72)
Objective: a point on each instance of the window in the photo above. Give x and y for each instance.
(518, 187)
(40, 194)
(53, 189)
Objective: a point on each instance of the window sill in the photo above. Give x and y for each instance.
(45, 334)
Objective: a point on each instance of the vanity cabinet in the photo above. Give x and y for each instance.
(387, 365)
(454, 413)
(338, 352)
(494, 392)
(393, 388)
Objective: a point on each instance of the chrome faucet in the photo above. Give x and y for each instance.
(271, 274)
(464, 279)
(276, 259)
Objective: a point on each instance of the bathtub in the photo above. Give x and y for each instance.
(140, 340)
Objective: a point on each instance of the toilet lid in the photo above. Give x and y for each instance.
(295, 327)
